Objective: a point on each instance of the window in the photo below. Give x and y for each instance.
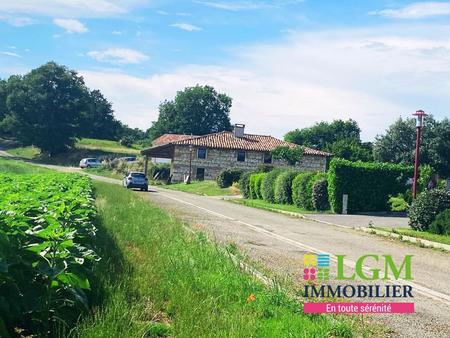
(201, 153)
(200, 176)
(241, 156)
(267, 158)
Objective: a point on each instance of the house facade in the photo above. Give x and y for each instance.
(205, 156)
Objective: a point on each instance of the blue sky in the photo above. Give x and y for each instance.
(286, 63)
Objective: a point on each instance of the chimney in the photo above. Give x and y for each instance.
(239, 130)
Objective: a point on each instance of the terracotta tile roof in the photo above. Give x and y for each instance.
(169, 138)
(227, 140)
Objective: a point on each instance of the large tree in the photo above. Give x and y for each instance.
(325, 133)
(196, 110)
(47, 105)
(398, 144)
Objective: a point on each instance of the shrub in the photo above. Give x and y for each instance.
(441, 225)
(368, 185)
(227, 177)
(283, 187)
(398, 203)
(320, 194)
(255, 185)
(426, 207)
(265, 168)
(302, 190)
(126, 141)
(160, 171)
(244, 184)
(268, 185)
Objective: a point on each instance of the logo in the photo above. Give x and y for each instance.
(318, 268)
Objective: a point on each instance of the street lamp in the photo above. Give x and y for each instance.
(420, 114)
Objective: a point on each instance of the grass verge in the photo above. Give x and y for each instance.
(19, 167)
(206, 188)
(419, 234)
(167, 281)
(260, 204)
(29, 152)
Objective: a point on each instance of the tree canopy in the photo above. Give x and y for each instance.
(341, 138)
(399, 142)
(196, 110)
(51, 106)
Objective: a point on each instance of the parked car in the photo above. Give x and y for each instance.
(136, 180)
(90, 163)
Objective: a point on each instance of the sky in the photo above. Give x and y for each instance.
(286, 63)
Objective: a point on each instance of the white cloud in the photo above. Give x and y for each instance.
(370, 75)
(10, 54)
(118, 56)
(17, 21)
(116, 32)
(416, 10)
(186, 27)
(69, 9)
(71, 25)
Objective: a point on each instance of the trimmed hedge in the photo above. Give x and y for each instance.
(426, 207)
(268, 185)
(368, 185)
(320, 193)
(283, 187)
(255, 185)
(244, 184)
(227, 177)
(302, 190)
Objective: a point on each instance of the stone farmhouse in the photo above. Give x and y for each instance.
(203, 157)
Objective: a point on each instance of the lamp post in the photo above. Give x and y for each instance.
(420, 114)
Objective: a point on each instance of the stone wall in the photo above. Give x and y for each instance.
(218, 159)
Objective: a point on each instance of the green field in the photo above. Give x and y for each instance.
(206, 188)
(105, 145)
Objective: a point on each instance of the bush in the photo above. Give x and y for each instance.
(426, 207)
(126, 141)
(265, 168)
(283, 187)
(302, 190)
(320, 193)
(398, 203)
(227, 177)
(368, 185)
(268, 185)
(441, 225)
(255, 185)
(244, 184)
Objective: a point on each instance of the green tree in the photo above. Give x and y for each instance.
(323, 133)
(3, 94)
(98, 119)
(47, 105)
(292, 155)
(196, 110)
(351, 149)
(399, 142)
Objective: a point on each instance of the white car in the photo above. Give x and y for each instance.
(90, 163)
(136, 180)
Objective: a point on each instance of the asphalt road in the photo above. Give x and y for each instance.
(279, 242)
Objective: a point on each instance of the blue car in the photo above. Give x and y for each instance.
(136, 180)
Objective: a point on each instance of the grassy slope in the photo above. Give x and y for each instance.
(260, 204)
(84, 148)
(208, 188)
(18, 167)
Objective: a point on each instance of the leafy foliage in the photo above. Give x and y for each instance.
(292, 155)
(268, 185)
(398, 144)
(244, 184)
(441, 225)
(368, 185)
(320, 193)
(227, 177)
(196, 110)
(46, 224)
(426, 207)
(351, 149)
(302, 190)
(255, 185)
(283, 187)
